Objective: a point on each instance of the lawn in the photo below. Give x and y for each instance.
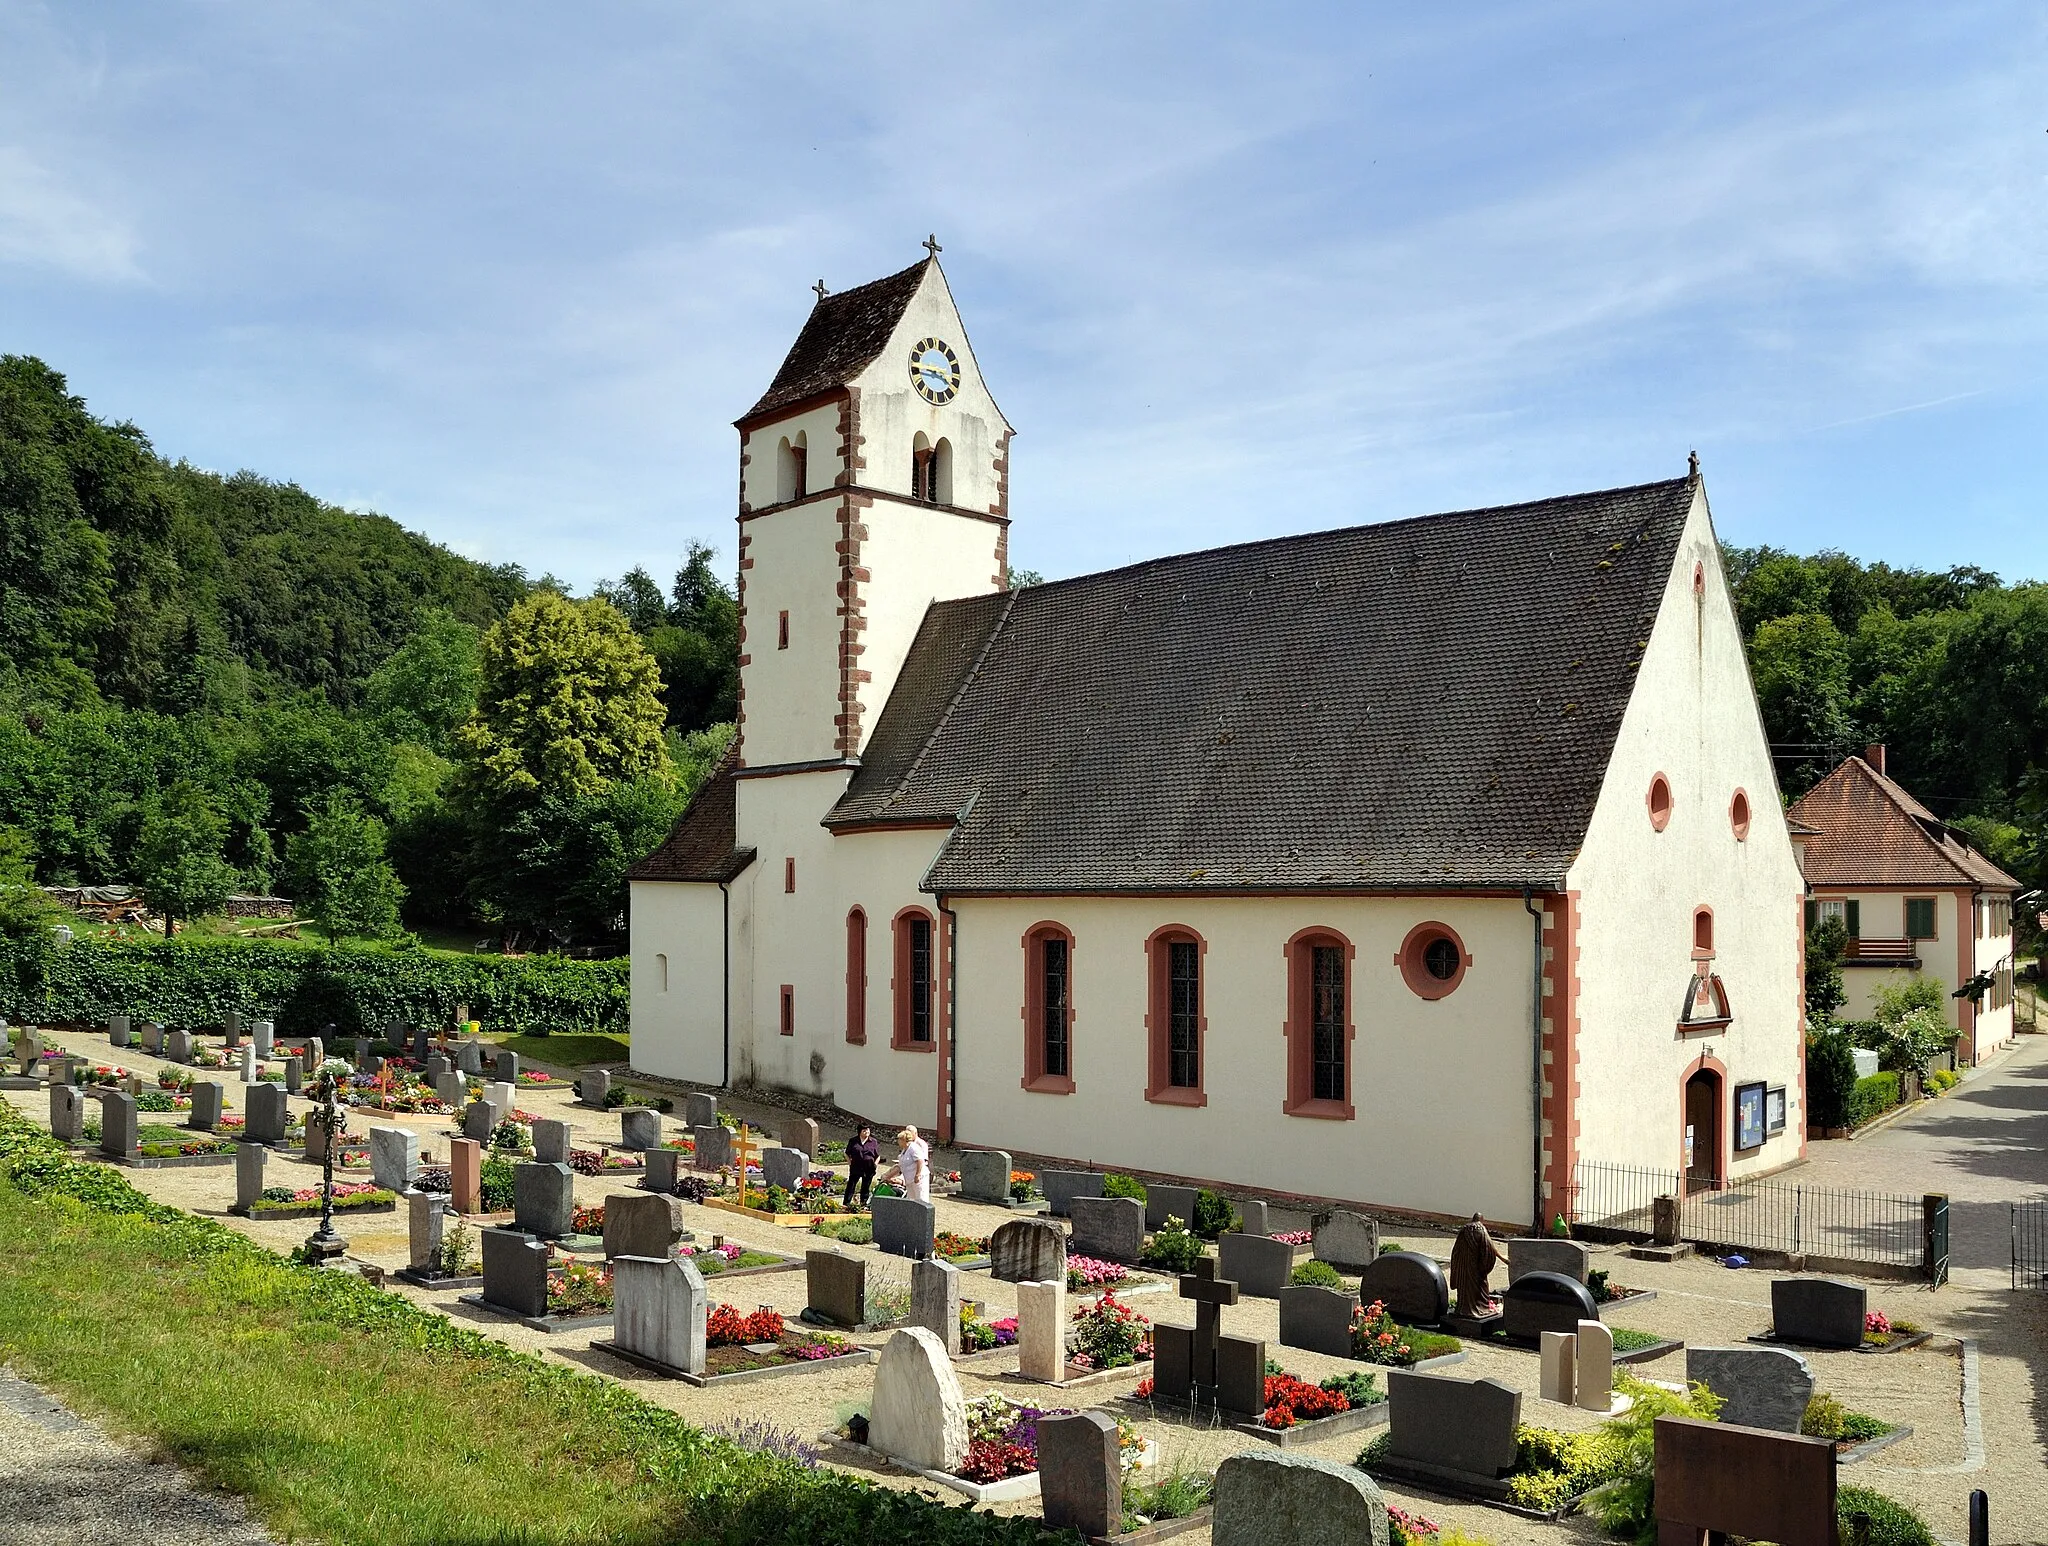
(568, 1049)
(315, 1395)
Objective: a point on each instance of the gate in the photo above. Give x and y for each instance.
(2030, 1245)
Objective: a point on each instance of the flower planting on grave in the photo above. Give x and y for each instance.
(598, 1162)
(1376, 1337)
(1002, 1439)
(162, 1100)
(587, 1219)
(174, 1079)
(1176, 1495)
(886, 1301)
(291, 1202)
(949, 1246)
(535, 1079)
(683, 1145)
(831, 1151)
(1023, 1185)
(510, 1137)
(1090, 1272)
(1108, 1334)
(1173, 1248)
(1880, 1330)
(713, 1259)
(730, 1336)
(156, 1140)
(977, 1336)
(619, 1095)
(1629, 1340)
(1291, 1400)
(1293, 1237)
(579, 1288)
(1604, 1292)
(1827, 1418)
(1315, 1274)
(859, 1230)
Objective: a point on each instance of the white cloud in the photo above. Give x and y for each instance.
(47, 223)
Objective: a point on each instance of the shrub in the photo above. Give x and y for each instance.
(1172, 1249)
(1358, 1389)
(1827, 1418)
(1891, 1524)
(854, 1231)
(1871, 1098)
(1830, 1076)
(887, 1300)
(1114, 1185)
(1626, 1506)
(1389, 1247)
(1316, 1274)
(1551, 1468)
(496, 1184)
(1214, 1215)
(1110, 1334)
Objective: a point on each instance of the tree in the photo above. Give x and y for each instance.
(24, 910)
(178, 865)
(638, 598)
(428, 686)
(1827, 946)
(337, 867)
(1802, 679)
(555, 869)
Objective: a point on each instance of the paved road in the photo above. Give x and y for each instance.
(1986, 1145)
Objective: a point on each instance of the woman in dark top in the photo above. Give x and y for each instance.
(862, 1156)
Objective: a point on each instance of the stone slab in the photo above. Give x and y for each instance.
(712, 1147)
(1080, 1474)
(643, 1224)
(1028, 1251)
(1567, 1258)
(1346, 1239)
(551, 1141)
(1760, 1387)
(659, 1309)
(1462, 1425)
(1042, 1330)
(985, 1176)
(1258, 1266)
(935, 1301)
(700, 1110)
(918, 1414)
(903, 1226)
(394, 1157)
(1317, 1320)
(544, 1198)
(784, 1167)
(836, 1287)
(1544, 1301)
(1241, 1375)
(1108, 1228)
(1061, 1187)
(1163, 1202)
(515, 1273)
(1821, 1312)
(1283, 1500)
(1412, 1287)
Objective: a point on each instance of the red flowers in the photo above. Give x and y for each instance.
(1290, 1400)
(727, 1327)
(990, 1460)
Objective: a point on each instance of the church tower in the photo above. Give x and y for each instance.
(874, 480)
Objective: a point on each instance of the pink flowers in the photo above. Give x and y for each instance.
(1294, 1237)
(1877, 1323)
(1090, 1272)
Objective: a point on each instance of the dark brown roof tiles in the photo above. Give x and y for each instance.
(840, 339)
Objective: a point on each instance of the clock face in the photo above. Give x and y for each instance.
(934, 370)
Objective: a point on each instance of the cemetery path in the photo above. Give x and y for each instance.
(68, 1484)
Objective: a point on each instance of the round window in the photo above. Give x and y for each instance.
(1440, 959)
(1432, 960)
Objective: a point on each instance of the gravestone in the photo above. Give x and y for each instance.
(263, 1034)
(363, 1053)
(551, 1143)
(294, 1075)
(712, 1147)
(592, 1086)
(1277, 1500)
(1318, 1319)
(1027, 1251)
(903, 1226)
(315, 1053)
(543, 1199)
(319, 1141)
(250, 1159)
(420, 1042)
(1257, 1265)
(1412, 1287)
(1061, 1187)
(985, 1176)
(435, 1065)
(1252, 1215)
(784, 1167)
(118, 1030)
(394, 1157)
(836, 1287)
(1594, 1381)
(515, 1272)
(478, 1118)
(178, 1046)
(1544, 1301)
(1346, 1239)
(1567, 1258)
(662, 1164)
(919, 1415)
(1173, 1361)
(1042, 1330)
(231, 1029)
(1461, 1425)
(1194, 1365)
(1714, 1480)
(152, 1038)
(799, 1133)
(451, 1089)
(643, 1225)
(499, 1097)
(67, 1113)
(207, 1101)
(935, 1301)
(267, 1111)
(639, 1128)
(248, 1064)
(1108, 1228)
(1821, 1312)
(700, 1110)
(1557, 1355)
(507, 1065)
(426, 1219)
(1759, 1387)
(117, 1124)
(1080, 1474)
(1241, 1375)
(659, 1309)
(1169, 1202)
(469, 1058)
(465, 1175)
(373, 1064)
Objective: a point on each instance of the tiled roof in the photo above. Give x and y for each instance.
(702, 845)
(840, 338)
(1871, 832)
(1421, 703)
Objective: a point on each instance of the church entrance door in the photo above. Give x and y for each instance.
(1703, 1131)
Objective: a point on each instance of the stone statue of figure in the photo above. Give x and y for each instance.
(1473, 1255)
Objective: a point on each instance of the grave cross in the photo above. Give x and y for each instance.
(740, 1152)
(1210, 1293)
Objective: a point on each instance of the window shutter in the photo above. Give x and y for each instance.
(1853, 912)
(1812, 914)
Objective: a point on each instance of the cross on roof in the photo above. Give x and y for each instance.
(820, 288)
(931, 244)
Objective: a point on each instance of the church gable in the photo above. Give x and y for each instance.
(840, 338)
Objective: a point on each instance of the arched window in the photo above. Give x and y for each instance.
(1659, 799)
(791, 470)
(1432, 960)
(1049, 1010)
(1175, 1025)
(922, 468)
(942, 473)
(1319, 1025)
(1738, 815)
(1702, 933)
(916, 980)
(857, 977)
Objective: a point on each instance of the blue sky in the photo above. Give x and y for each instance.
(507, 272)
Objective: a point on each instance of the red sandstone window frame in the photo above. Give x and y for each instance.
(900, 1038)
(1739, 815)
(1300, 1027)
(1659, 800)
(1412, 959)
(1703, 933)
(1159, 1086)
(788, 1025)
(857, 977)
(1036, 1079)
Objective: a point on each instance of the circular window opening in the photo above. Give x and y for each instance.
(1432, 960)
(1440, 959)
(1738, 816)
(1660, 802)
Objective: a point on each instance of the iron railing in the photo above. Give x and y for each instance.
(2030, 1245)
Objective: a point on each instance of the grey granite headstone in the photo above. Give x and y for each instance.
(1412, 1287)
(294, 1075)
(1173, 1360)
(178, 1046)
(268, 1108)
(1463, 1425)
(1318, 1319)
(1252, 1217)
(592, 1086)
(231, 1028)
(263, 1034)
(250, 1159)
(700, 1110)
(152, 1038)
(1567, 1258)
(451, 1089)
(1080, 1473)
(662, 1165)
(784, 1167)
(904, 1226)
(799, 1133)
(641, 1224)
(515, 1272)
(1169, 1202)
(551, 1144)
(713, 1147)
(469, 1058)
(935, 1301)
(1241, 1375)
(543, 1199)
(660, 1307)
(1346, 1239)
(1822, 1312)
(507, 1066)
(426, 1217)
(315, 1053)
(1544, 1301)
(207, 1100)
(1759, 1387)
(67, 1112)
(1108, 1228)
(394, 1157)
(1259, 1266)
(434, 1065)
(1028, 1251)
(118, 1030)
(478, 1118)
(318, 1139)
(117, 1124)
(1061, 1187)
(363, 1053)
(985, 1176)
(639, 1128)
(836, 1286)
(1282, 1499)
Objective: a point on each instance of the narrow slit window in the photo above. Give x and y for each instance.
(920, 979)
(1052, 966)
(1184, 1014)
(1327, 1069)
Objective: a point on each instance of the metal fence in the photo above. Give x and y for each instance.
(2030, 1245)
(1768, 1215)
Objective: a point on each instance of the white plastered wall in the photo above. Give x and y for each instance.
(914, 556)
(792, 695)
(677, 937)
(1693, 718)
(820, 428)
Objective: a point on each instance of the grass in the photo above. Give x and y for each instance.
(1628, 1340)
(569, 1049)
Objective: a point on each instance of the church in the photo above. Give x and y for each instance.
(1414, 865)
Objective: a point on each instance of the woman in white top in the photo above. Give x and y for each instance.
(913, 1167)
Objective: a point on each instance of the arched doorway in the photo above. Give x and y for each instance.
(1703, 1131)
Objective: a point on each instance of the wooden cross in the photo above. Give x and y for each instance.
(820, 288)
(931, 244)
(740, 1152)
(1210, 1293)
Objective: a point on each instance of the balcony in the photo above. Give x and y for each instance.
(1884, 952)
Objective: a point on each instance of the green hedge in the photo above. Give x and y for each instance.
(303, 986)
(1872, 1097)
